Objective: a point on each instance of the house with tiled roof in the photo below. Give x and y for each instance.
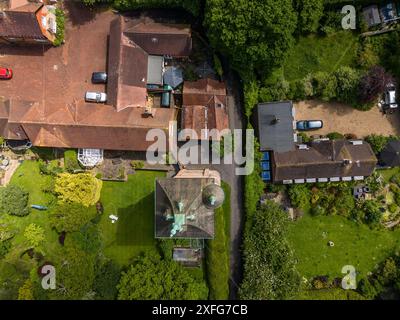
(122, 123)
(28, 22)
(286, 159)
(204, 107)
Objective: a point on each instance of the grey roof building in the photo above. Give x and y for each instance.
(322, 161)
(275, 122)
(185, 207)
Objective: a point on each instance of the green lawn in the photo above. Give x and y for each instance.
(355, 245)
(388, 173)
(314, 53)
(28, 177)
(133, 203)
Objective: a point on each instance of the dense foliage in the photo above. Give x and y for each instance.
(152, 278)
(309, 14)
(217, 253)
(14, 201)
(269, 264)
(82, 188)
(373, 84)
(70, 217)
(255, 36)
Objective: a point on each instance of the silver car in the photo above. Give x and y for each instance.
(95, 97)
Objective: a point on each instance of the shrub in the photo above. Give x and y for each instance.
(217, 253)
(151, 277)
(392, 207)
(277, 91)
(51, 168)
(105, 283)
(373, 214)
(70, 217)
(71, 160)
(377, 142)
(34, 235)
(347, 81)
(300, 196)
(82, 188)
(137, 164)
(166, 246)
(325, 85)
(317, 211)
(14, 201)
(373, 84)
(60, 21)
(335, 136)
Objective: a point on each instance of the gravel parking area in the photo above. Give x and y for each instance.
(59, 76)
(344, 119)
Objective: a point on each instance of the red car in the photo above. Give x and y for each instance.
(5, 73)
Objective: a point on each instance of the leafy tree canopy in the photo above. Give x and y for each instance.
(152, 278)
(81, 188)
(14, 201)
(255, 35)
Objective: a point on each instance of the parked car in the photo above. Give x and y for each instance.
(390, 97)
(95, 97)
(305, 125)
(5, 73)
(99, 77)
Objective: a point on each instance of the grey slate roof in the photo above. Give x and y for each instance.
(154, 69)
(275, 126)
(325, 159)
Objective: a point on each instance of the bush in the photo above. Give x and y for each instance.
(14, 201)
(71, 217)
(392, 207)
(377, 142)
(373, 214)
(137, 164)
(50, 168)
(325, 85)
(335, 136)
(34, 235)
(60, 21)
(82, 188)
(269, 264)
(71, 160)
(347, 82)
(217, 253)
(373, 84)
(105, 283)
(150, 277)
(300, 196)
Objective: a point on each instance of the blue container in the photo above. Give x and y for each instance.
(265, 165)
(265, 156)
(266, 176)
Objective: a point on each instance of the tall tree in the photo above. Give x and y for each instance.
(269, 265)
(309, 13)
(373, 84)
(152, 278)
(254, 35)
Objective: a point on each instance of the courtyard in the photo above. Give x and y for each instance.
(344, 119)
(60, 76)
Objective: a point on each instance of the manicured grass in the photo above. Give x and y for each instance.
(314, 53)
(28, 177)
(388, 173)
(354, 244)
(133, 203)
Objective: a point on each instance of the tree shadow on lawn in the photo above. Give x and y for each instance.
(136, 223)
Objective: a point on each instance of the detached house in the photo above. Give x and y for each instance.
(28, 22)
(286, 159)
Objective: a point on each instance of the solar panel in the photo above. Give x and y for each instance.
(265, 156)
(265, 166)
(266, 176)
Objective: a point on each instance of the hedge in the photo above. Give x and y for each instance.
(217, 252)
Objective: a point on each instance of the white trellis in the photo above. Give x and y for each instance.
(90, 157)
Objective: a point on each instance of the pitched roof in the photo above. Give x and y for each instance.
(198, 217)
(127, 70)
(83, 125)
(325, 159)
(160, 38)
(275, 126)
(16, 24)
(204, 106)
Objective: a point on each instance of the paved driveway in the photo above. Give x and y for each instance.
(345, 119)
(57, 76)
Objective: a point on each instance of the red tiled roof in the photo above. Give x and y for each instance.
(20, 25)
(204, 106)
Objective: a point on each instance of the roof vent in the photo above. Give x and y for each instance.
(356, 142)
(347, 162)
(275, 120)
(154, 40)
(303, 147)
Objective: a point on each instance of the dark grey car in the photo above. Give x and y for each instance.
(99, 77)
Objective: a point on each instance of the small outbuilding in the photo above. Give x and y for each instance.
(390, 155)
(371, 15)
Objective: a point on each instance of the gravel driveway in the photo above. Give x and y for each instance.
(344, 119)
